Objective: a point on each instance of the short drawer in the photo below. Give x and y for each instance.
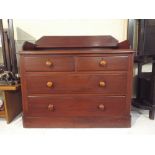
(77, 83)
(102, 63)
(76, 105)
(49, 63)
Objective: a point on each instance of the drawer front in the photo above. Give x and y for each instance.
(102, 63)
(49, 63)
(76, 105)
(111, 84)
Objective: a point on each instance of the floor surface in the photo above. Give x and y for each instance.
(141, 124)
(139, 139)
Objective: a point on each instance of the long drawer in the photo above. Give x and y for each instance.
(53, 83)
(76, 105)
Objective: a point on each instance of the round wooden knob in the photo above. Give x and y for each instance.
(49, 63)
(101, 107)
(51, 107)
(49, 84)
(102, 84)
(103, 62)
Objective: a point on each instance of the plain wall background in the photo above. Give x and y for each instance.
(34, 29)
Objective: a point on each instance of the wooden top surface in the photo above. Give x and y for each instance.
(2, 113)
(78, 51)
(10, 87)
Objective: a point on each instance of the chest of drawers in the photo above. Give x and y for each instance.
(76, 87)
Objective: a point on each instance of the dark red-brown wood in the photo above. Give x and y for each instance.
(76, 41)
(84, 63)
(71, 87)
(77, 122)
(83, 51)
(112, 63)
(69, 83)
(58, 63)
(76, 105)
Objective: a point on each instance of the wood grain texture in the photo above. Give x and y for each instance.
(76, 41)
(59, 63)
(77, 51)
(13, 105)
(77, 122)
(76, 105)
(68, 83)
(12, 102)
(84, 91)
(129, 82)
(2, 113)
(11, 87)
(94, 63)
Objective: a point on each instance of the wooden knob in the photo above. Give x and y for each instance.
(49, 63)
(101, 107)
(103, 62)
(102, 84)
(51, 107)
(49, 84)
